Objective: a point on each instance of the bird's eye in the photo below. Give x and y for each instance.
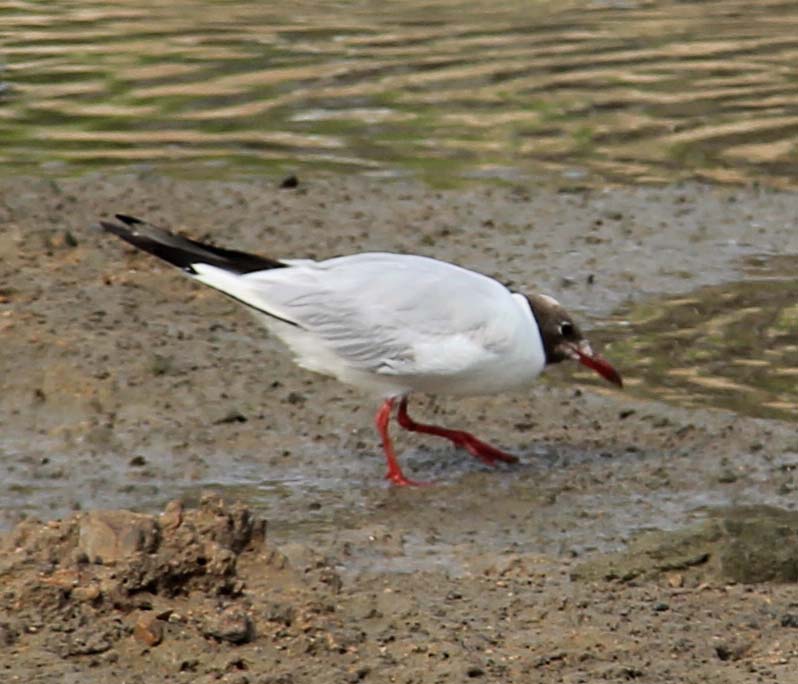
(566, 329)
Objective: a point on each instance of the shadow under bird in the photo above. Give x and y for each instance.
(391, 324)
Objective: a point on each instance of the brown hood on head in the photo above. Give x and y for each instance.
(556, 326)
(562, 338)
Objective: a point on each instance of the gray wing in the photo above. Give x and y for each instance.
(392, 314)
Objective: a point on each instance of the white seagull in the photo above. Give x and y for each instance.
(391, 324)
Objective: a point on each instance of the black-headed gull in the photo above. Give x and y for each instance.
(392, 324)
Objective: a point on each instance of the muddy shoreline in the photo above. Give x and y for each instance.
(125, 386)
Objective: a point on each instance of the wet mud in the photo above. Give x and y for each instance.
(182, 504)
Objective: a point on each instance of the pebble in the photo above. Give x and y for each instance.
(289, 182)
(789, 620)
(148, 629)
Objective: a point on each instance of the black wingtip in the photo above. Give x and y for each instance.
(128, 220)
(115, 228)
(183, 252)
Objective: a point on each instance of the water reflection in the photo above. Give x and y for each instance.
(733, 346)
(627, 91)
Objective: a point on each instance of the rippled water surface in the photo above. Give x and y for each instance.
(733, 346)
(629, 91)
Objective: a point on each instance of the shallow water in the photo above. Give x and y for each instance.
(588, 91)
(341, 496)
(731, 346)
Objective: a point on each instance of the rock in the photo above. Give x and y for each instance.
(761, 545)
(233, 527)
(745, 544)
(172, 516)
(232, 624)
(9, 634)
(358, 673)
(289, 182)
(732, 651)
(789, 620)
(107, 537)
(87, 593)
(148, 629)
(344, 639)
(675, 580)
(653, 553)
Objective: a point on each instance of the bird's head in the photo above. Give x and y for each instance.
(562, 338)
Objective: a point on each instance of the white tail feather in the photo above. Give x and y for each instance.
(239, 287)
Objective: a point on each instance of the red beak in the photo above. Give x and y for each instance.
(603, 367)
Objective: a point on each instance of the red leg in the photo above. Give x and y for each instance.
(394, 473)
(466, 440)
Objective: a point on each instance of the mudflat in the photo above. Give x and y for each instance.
(181, 503)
